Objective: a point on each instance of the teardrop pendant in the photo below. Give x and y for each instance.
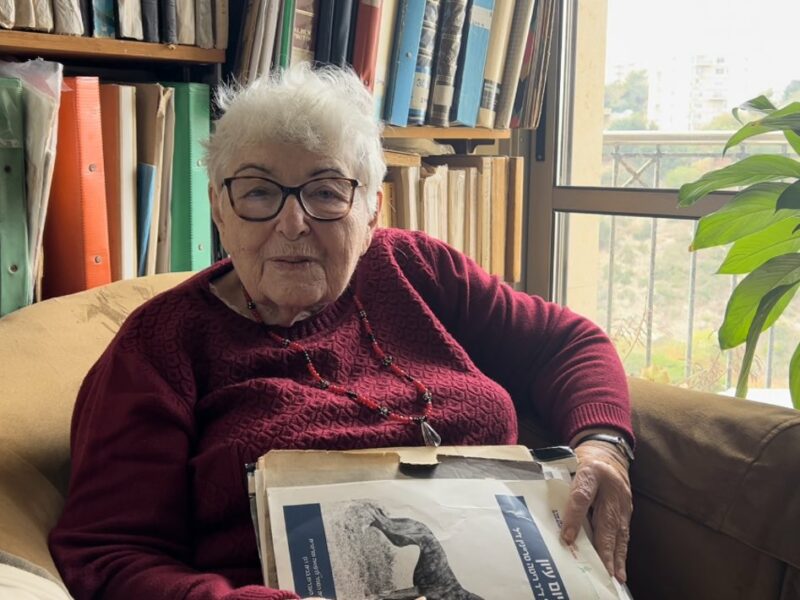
(429, 434)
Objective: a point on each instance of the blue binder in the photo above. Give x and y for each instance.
(146, 187)
(407, 34)
(472, 60)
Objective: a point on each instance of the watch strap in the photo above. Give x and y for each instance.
(619, 441)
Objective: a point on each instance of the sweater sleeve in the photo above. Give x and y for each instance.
(125, 530)
(551, 360)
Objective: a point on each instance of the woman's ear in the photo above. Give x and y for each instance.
(373, 222)
(216, 211)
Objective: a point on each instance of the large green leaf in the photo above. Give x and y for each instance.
(749, 211)
(794, 377)
(793, 138)
(765, 307)
(750, 170)
(789, 198)
(759, 104)
(754, 250)
(785, 119)
(744, 301)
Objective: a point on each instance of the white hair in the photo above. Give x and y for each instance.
(327, 110)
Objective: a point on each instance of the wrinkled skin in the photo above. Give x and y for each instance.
(602, 484)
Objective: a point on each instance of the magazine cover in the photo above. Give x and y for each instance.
(445, 539)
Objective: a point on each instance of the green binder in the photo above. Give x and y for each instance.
(190, 247)
(14, 269)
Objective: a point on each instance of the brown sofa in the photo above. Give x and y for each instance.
(716, 480)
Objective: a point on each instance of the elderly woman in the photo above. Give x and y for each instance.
(322, 332)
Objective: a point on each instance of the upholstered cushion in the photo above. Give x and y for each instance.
(46, 351)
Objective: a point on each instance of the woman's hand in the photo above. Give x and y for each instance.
(601, 482)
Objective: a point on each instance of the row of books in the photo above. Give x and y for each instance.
(474, 203)
(102, 181)
(202, 23)
(435, 62)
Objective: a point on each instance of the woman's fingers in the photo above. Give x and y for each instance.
(581, 496)
(620, 553)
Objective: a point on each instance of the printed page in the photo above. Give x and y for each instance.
(441, 538)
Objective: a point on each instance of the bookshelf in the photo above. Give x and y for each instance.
(59, 47)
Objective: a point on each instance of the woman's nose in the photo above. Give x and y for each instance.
(292, 220)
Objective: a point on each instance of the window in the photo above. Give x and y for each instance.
(639, 99)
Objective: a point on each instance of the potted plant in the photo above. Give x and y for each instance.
(762, 222)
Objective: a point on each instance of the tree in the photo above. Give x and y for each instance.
(629, 94)
(792, 92)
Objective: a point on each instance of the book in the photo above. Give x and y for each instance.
(152, 101)
(150, 27)
(448, 45)
(145, 192)
(456, 207)
(76, 231)
(168, 21)
(406, 188)
(184, 12)
(471, 62)
(129, 19)
(164, 226)
(408, 31)
(191, 213)
(365, 45)
(14, 260)
(432, 211)
(221, 24)
(203, 24)
(495, 60)
(499, 208)
(271, 12)
(516, 201)
(410, 522)
(118, 116)
(520, 24)
(7, 14)
(286, 30)
(43, 15)
(256, 59)
(85, 7)
(422, 75)
(386, 216)
(245, 47)
(23, 15)
(471, 212)
(340, 32)
(67, 18)
(384, 54)
(304, 32)
(322, 47)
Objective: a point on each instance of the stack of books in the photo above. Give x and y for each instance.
(107, 182)
(472, 202)
(428, 62)
(202, 23)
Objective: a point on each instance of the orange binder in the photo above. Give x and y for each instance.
(76, 253)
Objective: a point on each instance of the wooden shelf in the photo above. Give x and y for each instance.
(25, 43)
(446, 133)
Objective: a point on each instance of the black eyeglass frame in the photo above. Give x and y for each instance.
(287, 191)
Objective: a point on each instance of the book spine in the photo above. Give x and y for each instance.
(365, 46)
(385, 40)
(340, 34)
(523, 13)
(304, 34)
(472, 61)
(150, 20)
(186, 23)
(408, 32)
(422, 74)
(449, 44)
(322, 49)
(43, 15)
(103, 19)
(495, 59)
(221, 21)
(287, 34)
(68, 20)
(203, 24)
(168, 22)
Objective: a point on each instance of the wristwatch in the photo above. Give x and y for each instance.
(619, 441)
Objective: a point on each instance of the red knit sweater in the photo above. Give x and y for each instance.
(189, 391)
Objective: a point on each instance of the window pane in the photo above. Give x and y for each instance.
(662, 305)
(651, 86)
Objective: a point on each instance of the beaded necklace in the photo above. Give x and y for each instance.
(429, 434)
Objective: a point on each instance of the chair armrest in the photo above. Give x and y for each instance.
(29, 509)
(727, 463)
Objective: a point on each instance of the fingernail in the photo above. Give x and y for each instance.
(622, 576)
(569, 534)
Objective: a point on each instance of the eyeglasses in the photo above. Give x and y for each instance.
(261, 199)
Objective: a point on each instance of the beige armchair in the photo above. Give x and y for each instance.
(716, 480)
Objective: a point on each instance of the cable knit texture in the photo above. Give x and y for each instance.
(189, 391)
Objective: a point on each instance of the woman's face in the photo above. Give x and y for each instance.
(292, 262)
